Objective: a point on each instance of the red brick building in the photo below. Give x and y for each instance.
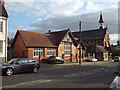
(96, 41)
(29, 44)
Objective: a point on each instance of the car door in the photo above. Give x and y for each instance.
(31, 63)
(16, 66)
(23, 64)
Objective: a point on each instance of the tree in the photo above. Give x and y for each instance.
(115, 51)
(10, 40)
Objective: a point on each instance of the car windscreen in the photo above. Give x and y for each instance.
(12, 61)
(58, 58)
(31, 61)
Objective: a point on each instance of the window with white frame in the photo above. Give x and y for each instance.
(67, 49)
(50, 51)
(1, 47)
(38, 51)
(1, 26)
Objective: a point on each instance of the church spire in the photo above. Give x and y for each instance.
(101, 20)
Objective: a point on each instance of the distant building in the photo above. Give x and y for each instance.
(3, 32)
(28, 44)
(96, 41)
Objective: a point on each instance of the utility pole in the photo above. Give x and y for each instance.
(80, 43)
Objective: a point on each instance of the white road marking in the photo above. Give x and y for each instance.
(101, 69)
(78, 74)
(27, 83)
(86, 73)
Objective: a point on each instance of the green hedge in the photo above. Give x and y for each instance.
(100, 59)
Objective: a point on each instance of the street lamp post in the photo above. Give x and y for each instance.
(80, 43)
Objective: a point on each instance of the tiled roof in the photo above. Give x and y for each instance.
(97, 48)
(57, 37)
(36, 39)
(3, 11)
(95, 34)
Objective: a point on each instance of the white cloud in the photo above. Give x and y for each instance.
(65, 8)
(66, 14)
(21, 27)
(89, 21)
(28, 8)
(59, 0)
(114, 38)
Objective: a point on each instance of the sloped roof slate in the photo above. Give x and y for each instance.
(95, 34)
(36, 39)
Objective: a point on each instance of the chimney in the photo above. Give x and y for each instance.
(49, 31)
(3, 2)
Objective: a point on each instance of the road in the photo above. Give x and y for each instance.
(62, 76)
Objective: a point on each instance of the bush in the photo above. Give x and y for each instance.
(100, 59)
(115, 52)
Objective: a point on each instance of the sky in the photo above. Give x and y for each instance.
(56, 15)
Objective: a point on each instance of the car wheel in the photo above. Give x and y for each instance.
(35, 69)
(9, 71)
(62, 62)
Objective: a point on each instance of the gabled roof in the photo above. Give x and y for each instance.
(97, 48)
(3, 11)
(57, 37)
(36, 39)
(95, 34)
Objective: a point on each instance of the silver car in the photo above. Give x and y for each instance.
(116, 58)
(115, 85)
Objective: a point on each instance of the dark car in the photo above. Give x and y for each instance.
(55, 59)
(91, 60)
(19, 65)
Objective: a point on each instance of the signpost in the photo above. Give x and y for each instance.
(80, 43)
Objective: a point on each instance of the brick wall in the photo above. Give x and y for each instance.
(18, 48)
(107, 43)
(30, 52)
(95, 42)
(105, 56)
(60, 50)
(39, 59)
(67, 58)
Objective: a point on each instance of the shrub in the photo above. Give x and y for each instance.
(100, 59)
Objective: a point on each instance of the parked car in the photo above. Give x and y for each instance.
(18, 65)
(116, 58)
(55, 59)
(115, 85)
(91, 60)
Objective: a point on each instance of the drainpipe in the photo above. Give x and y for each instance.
(6, 42)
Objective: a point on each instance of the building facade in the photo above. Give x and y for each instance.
(3, 33)
(96, 41)
(40, 46)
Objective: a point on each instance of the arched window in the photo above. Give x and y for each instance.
(98, 42)
(92, 42)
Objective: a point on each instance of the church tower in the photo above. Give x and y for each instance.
(101, 20)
